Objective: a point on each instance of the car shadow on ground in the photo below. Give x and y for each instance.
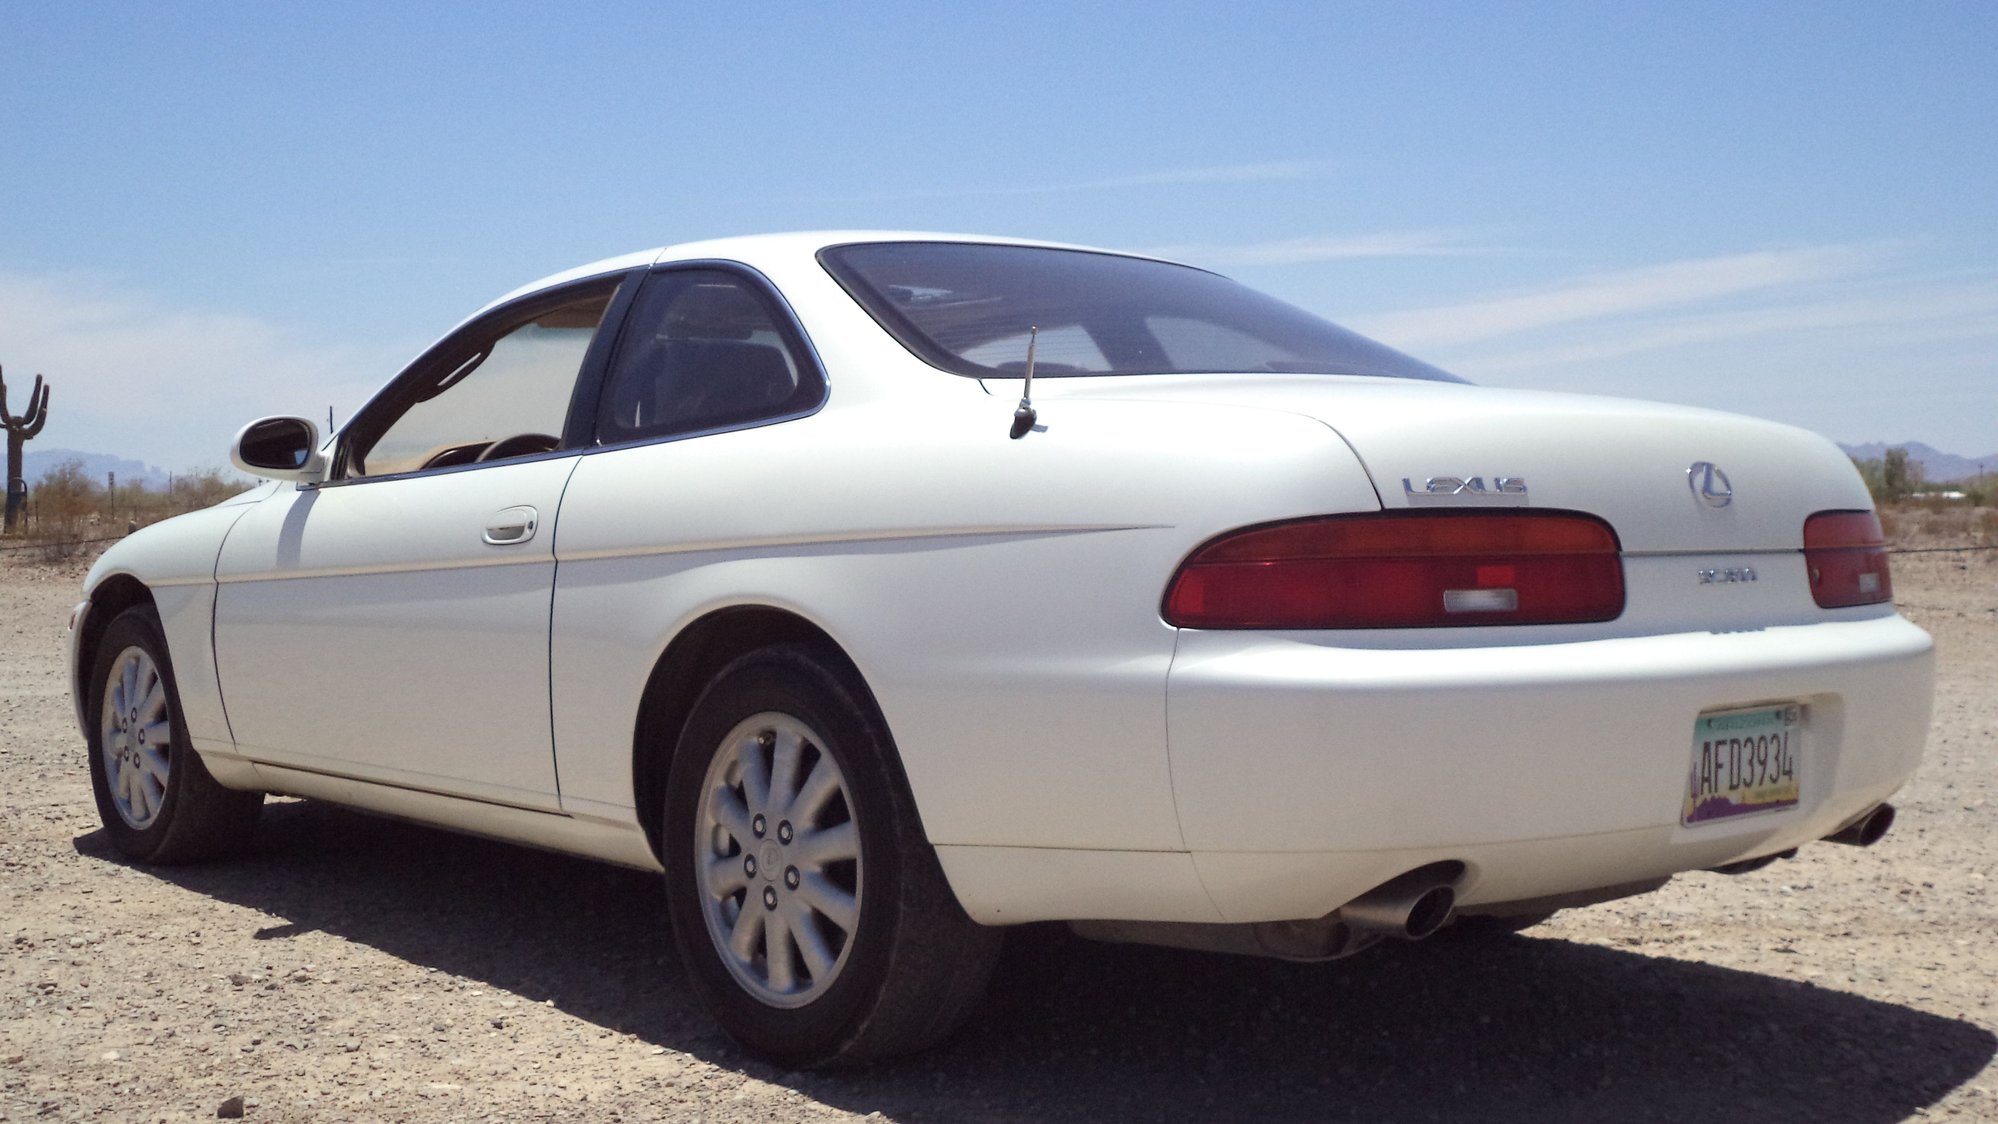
(1516, 1028)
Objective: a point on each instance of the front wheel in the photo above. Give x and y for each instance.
(157, 800)
(808, 907)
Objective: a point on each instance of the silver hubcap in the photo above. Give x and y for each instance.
(136, 737)
(778, 857)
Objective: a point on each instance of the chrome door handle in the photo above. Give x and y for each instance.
(512, 526)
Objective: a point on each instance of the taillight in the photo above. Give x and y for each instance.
(1846, 556)
(1403, 570)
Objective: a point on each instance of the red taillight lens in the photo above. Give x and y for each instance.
(1403, 570)
(1846, 556)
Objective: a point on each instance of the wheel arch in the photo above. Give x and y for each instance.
(110, 597)
(689, 663)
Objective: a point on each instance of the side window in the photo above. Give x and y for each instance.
(499, 390)
(705, 349)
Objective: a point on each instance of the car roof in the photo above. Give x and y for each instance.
(752, 248)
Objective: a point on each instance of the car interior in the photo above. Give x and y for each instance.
(504, 397)
(715, 359)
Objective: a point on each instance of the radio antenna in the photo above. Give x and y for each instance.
(1024, 417)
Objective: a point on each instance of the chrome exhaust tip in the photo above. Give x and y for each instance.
(1866, 830)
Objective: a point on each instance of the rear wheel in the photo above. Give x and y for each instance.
(808, 907)
(157, 800)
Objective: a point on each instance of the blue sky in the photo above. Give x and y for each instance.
(214, 210)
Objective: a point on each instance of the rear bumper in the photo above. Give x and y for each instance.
(1306, 772)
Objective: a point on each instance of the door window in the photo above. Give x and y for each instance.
(497, 390)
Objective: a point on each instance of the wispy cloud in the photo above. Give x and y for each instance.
(138, 376)
(1621, 294)
(1921, 313)
(1848, 339)
(1221, 173)
(1299, 251)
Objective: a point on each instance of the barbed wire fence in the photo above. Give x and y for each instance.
(54, 545)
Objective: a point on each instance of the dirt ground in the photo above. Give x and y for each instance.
(351, 968)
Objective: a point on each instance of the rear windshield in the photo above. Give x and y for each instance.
(967, 308)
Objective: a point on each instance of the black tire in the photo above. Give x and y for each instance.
(191, 817)
(914, 965)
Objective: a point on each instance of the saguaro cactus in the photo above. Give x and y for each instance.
(20, 430)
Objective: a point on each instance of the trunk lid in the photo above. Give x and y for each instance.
(1642, 466)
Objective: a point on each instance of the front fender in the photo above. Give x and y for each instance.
(171, 563)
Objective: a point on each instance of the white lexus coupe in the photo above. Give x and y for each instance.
(885, 590)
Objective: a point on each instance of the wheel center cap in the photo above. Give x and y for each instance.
(769, 860)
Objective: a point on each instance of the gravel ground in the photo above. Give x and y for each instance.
(352, 968)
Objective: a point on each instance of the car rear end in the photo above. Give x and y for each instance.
(1573, 645)
(1585, 644)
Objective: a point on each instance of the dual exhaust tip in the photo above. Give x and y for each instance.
(1867, 829)
(1862, 831)
(1416, 904)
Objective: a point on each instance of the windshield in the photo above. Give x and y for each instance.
(967, 308)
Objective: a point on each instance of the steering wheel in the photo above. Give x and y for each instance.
(519, 445)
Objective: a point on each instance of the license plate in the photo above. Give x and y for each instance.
(1744, 761)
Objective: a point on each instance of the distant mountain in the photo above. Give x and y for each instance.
(35, 463)
(1937, 466)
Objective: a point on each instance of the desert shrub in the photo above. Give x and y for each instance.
(202, 487)
(135, 505)
(1898, 474)
(1871, 471)
(61, 510)
(1890, 524)
(1892, 477)
(69, 512)
(1942, 523)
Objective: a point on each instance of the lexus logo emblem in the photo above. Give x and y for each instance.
(1710, 484)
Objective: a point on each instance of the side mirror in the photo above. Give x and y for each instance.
(281, 449)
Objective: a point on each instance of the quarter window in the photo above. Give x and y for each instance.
(705, 349)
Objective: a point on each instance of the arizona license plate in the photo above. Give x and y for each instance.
(1744, 761)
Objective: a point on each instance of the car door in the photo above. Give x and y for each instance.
(709, 363)
(391, 624)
